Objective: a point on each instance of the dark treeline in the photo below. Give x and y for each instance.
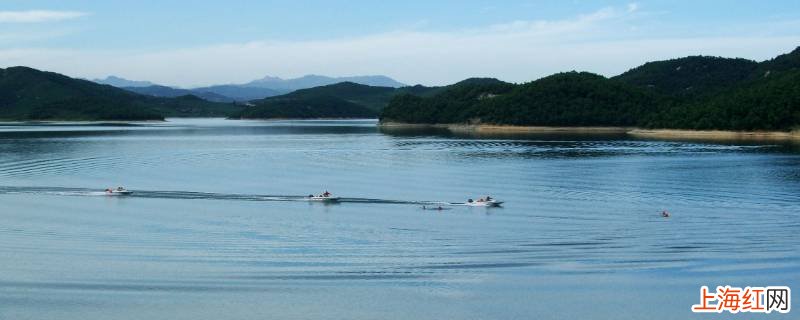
(686, 93)
(305, 108)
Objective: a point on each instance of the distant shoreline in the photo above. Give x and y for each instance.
(486, 128)
(719, 135)
(49, 121)
(318, 118)
(715, 134)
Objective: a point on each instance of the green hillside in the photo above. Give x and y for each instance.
(771, 103)
(572, 98)
(455, 103)
(341, 100)
(30, 94)
(193, 106)
(686, 93)
(307, 107)
(374, 98)
(689, 76)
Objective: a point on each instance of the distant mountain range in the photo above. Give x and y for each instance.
(256, 89)
(221, 93)
(122, 82)
(30, 94)
(310, 81)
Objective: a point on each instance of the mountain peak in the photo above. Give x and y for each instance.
(784, 62)
(120, 82)
(267, 79)
(316, 80)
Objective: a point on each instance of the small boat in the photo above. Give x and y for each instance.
(484, 203)
(324, 197)
(118, 191)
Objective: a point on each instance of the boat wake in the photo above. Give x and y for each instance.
(193, 195)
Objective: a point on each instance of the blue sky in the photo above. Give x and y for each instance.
(190, 43)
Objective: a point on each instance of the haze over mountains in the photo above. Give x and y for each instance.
(256, 89)
(310, 81)
(122, 82)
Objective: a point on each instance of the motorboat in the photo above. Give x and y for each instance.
(118, 191)
(323, 197)
(488, 202)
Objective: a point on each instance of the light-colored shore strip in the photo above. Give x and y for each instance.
(538, 129)
(715, 134)
(505, 129)
(632, 131)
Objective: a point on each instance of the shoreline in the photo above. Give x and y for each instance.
(793, 135)
(483, 128)
(321, 118)
(8, 122)
(714, 135)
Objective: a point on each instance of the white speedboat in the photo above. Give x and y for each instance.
(119, 191)
(325, 197)
(483, 203)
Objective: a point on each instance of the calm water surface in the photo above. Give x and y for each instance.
(218, 229)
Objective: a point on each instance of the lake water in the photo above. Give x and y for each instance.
(218, 227)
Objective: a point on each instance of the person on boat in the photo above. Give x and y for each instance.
(109, 190)
(488, 198)
(120, 188)
(469, 200)
(326, 194)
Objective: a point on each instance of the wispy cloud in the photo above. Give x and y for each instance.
(581, 23)
(35, 16)
(17, 36)
(632, 7)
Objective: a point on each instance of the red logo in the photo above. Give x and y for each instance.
(748, 299)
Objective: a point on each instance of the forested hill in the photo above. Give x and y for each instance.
(686, 93)
(770, 103)
(456, 103)
(690, 75)
(30, 94)
(341, 100)
(372, 97)
(27, 93)
(782, 63)
(571, 98)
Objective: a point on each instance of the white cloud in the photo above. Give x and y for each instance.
(34, 16)
(632, 7)
(520, 51)
(17, 36)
